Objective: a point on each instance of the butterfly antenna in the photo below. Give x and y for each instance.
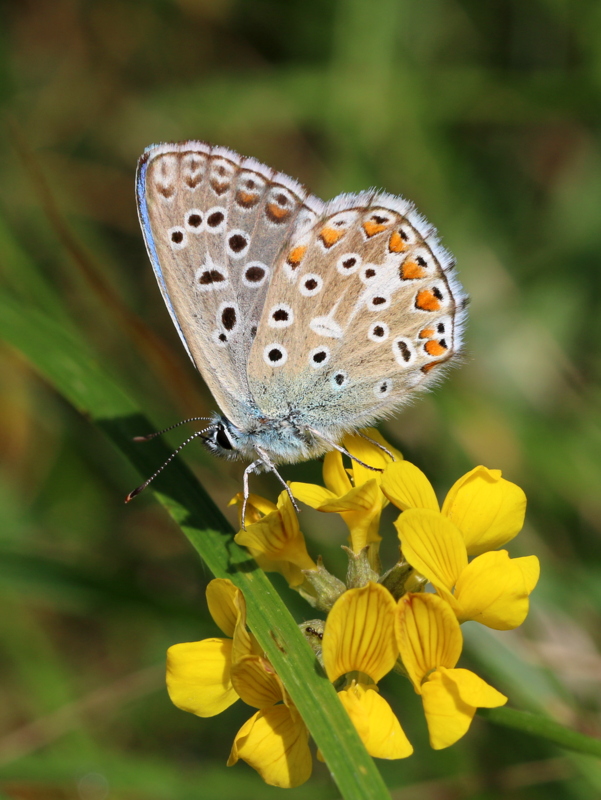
(141, 488)
(150, 436)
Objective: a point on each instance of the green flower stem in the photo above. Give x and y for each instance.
(66, 362)
(544, 728)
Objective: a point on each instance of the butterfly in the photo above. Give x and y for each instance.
(307, 319)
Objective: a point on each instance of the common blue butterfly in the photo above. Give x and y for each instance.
(307, 320)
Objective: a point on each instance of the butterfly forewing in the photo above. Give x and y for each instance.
(214, 224)
(362, 311)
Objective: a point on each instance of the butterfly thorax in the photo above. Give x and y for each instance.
(282, 440)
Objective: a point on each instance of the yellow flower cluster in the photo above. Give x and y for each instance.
(408, 618)
(206, 677)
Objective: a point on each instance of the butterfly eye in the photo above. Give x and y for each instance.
(222, 439)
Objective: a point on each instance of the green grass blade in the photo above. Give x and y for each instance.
(543, 728)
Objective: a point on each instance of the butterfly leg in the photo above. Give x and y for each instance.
(344, 451)
(247, 472)
(377, 444)
(271, 466)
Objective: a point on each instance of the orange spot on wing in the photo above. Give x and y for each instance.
(427, 300)
(426, 333)
(434, 348)
(427, 367)
(371, 228)
(247, 198)
(396, 243)
(277, 211)
(295, 256)
(411, 271)
(329, 236)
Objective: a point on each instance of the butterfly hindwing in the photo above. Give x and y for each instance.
(361, 312)
(214, 224)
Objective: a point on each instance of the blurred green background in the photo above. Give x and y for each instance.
(487, 115)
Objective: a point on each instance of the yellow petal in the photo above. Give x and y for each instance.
(244, 642)
(472, 689)
(221, 600)
(433, 546)
(530, 566)
(364, 528)
(198, 676)
(448, 717)
(256, 507)
(428, 635)
(254, 679)
(362, 498)
(334, 474)
(359, 633)
(407, 487)
(375, 722)
(488, 510)
(493, 589)
(275, 742)
(278, 537)
(369, 453)
(311, 494)
(360, 508)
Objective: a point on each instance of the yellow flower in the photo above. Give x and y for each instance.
(275, 740)
(430, 643)
(275, 540)
(359, 642)
(355, 493)
(492, 589)
(488, 510)
(199, 673)
(206, 677)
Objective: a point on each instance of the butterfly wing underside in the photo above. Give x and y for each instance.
(363, 311)
(214, 224)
